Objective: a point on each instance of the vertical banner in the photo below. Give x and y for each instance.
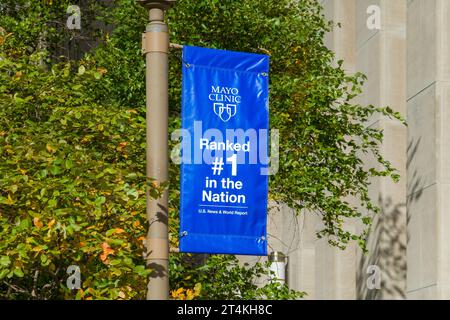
(224, 153)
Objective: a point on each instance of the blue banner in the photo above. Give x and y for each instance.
(224, 153)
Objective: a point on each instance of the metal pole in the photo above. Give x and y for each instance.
(156, 48)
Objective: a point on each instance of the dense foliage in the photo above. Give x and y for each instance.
(72, 143)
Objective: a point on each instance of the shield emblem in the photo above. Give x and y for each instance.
(224, 112)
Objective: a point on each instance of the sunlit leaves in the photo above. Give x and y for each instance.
(72, 169)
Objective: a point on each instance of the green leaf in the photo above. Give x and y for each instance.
(55, 170)
(52, 203)
(44, 260)
(4, 273)
(68, 164)
(81, 70)
(5, 261)
(141, 270)
(18, 272)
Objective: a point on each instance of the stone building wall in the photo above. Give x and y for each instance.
(403, 46)
(379, 52)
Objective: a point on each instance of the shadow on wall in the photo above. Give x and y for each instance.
(415, 184)
(387, 251)
(388, 241)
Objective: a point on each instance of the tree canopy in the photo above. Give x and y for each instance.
(72, 142)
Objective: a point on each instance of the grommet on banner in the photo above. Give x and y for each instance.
(264, 74)
(187, 65)
(184, 234)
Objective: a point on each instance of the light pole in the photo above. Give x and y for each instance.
(155, 46)
(278, 266)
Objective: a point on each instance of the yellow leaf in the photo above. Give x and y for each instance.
(102, 70)
(118, 231)
(9, 201)
(190, 295)
(106, 252)
(37, 223)
(178, 294)
(179, 291)
(104, 258)
(51, 223)
(37, 249)
(123, 144)
(50, 148)
(198, 288)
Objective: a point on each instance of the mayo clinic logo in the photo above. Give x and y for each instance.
(225, 101)
(224, 111)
